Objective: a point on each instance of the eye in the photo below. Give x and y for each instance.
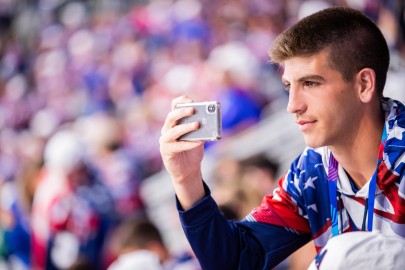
(311, 84)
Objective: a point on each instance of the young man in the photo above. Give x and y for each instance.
(348, 179)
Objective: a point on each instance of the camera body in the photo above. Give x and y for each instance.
(208, 115)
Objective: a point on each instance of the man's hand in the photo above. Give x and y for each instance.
(182, 159)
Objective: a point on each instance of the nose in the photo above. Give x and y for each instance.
(296, 102)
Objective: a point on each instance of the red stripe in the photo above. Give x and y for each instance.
(324, 228)
(282, 213)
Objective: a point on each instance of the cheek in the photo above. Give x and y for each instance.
(343, 117)
(331, 118)
(343, 102)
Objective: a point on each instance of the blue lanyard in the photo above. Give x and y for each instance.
(332, 183)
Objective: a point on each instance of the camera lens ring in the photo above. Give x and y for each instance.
(211, 108)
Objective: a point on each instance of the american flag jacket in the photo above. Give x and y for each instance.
(300, 208)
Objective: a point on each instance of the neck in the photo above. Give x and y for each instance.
(359, 155)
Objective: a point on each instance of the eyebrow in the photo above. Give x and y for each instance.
(307, 78)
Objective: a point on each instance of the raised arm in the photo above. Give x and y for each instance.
(217, 242)
(182, 159)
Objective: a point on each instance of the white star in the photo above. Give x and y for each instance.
(310, 182)
(396, 132)
(313, 207)
(319, 164)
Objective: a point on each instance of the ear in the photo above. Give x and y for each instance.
(366, 84)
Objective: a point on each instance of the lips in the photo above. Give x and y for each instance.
(305, 124)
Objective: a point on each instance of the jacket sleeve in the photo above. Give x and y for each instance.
(249, 244)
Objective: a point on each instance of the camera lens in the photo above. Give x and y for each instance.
(211, 108)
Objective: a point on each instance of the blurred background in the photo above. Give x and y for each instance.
(84, 89)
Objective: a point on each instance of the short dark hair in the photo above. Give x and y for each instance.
(139, 233)
(354, 42)
(260, 161)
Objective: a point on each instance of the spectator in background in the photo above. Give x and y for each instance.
(260, 172)
(241, 184)
(228, 191)
(119, 171)
(72, 210)
(15, 214)
(140, 245)
(241, 102)
(16, 195)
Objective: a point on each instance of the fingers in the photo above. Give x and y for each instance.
(174, 116)
(171, 134)
(170, 131)
(182, 159)
(175, 147)
(169, 142)
(181, 99)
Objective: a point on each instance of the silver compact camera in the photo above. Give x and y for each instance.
(208, 115)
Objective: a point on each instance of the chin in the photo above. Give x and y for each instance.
(313, 143)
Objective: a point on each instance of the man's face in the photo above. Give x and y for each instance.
(326, 108)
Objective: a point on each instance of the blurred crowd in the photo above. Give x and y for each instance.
(85, 87)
